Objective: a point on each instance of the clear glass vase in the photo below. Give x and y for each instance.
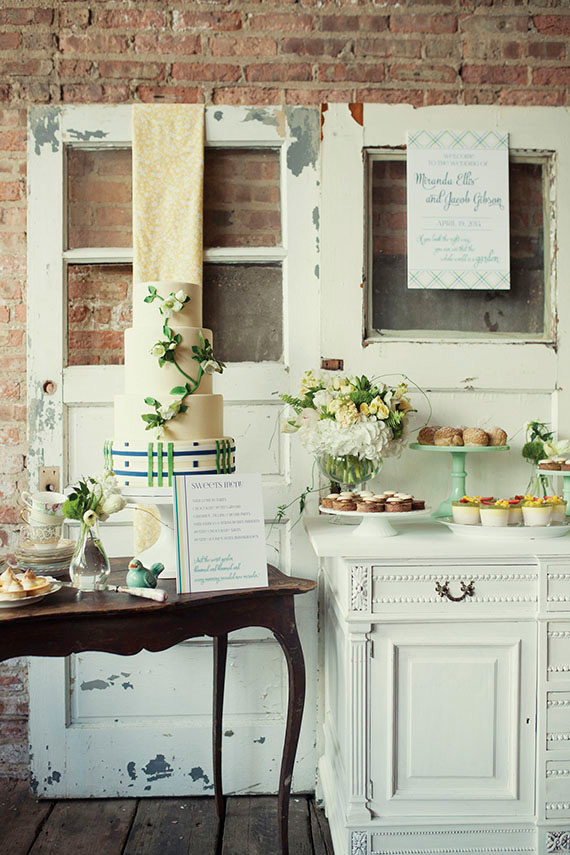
(89, 568)
(540, 483)
(348, 470)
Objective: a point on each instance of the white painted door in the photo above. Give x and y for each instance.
(102, 725)
(483, 377)
(452, 720)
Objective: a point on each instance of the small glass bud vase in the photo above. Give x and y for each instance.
(89, 568)
(348, 470)
(540, 483)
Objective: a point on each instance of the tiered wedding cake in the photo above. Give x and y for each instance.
(168, 422)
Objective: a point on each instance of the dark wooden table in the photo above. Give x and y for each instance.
(69, 622)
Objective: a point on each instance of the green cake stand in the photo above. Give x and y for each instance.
(458, 471)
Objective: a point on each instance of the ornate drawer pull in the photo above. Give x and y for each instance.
(443, 591)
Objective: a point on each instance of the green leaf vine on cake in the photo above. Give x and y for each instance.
(165, 351)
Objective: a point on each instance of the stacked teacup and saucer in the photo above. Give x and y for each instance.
(43, 548)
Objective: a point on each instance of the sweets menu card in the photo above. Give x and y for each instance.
(219, 532)
(458, 210)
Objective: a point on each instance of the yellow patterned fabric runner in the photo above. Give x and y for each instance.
(146, 527)
(168, 177)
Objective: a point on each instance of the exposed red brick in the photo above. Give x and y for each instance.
(75, 67)
(17, 17)
(243, 46)
(486, 23)
(533, 97)
(74, 18)
(162, 43)
(4, 314)
(141, 70)
(313, 47)
(551, 76)
(172, 94)
(222, 73)
(494, 74)
(95, 339)
(386, 47)
(10, 41)
(278, 72)
(12, 140)
(552, 24)
(10, 390)
(343, 72)
(423, 23)
(317, 96)
(206, 20)
(131, 18)
(93, 43)
(547, 50)
(436, 97)
(423, 71)
(281, 23)
(10, 191)
(391, 96)
(246, 95)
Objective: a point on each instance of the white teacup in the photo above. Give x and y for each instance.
(44, 535)
(44, 503)
(40, 518)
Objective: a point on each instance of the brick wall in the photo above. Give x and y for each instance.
(226, 52)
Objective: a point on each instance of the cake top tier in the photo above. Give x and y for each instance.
(149, 315)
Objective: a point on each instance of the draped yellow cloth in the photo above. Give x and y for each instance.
(168, 179)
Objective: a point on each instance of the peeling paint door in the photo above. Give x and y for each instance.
(499, 373)
(103, 725)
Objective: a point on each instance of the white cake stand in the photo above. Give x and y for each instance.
(377, 524)
(164, 549)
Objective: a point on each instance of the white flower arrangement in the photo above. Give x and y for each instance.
(94, 499)
(350, 417)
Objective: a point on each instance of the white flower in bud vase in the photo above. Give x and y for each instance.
(89, 518)
(157, 350)
(210, 366)
(289, 426)
(112, 504)
(181, 296)
(172, 345)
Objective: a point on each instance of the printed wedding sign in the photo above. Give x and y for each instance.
(458, 210)
(219, 532)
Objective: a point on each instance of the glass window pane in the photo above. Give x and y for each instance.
(519, 310)
(242, 199)
(99, 198)
(243, 307)
(98, 312)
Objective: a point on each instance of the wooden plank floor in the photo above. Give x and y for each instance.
(154, 826)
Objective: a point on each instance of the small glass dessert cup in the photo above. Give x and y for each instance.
(558, 509)
(515, 510)
(466, 511)
(495, 514)
(536, 511)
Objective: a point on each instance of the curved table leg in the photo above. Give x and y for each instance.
(284, 629)
(220, 657)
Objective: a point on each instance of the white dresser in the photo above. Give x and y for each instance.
(446, 725)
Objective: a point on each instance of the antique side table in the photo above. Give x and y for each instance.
(69, 622)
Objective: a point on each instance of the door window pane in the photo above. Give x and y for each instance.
(482, 313)
(242, 199)
(98, 312)
(99, 198)
(243, 307)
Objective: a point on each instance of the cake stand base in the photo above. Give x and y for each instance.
(376, 524)
(164, 549)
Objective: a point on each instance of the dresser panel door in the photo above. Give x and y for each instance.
(453, 719)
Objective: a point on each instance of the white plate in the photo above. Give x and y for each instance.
(390, 515)
(524, 532)
(26, 601)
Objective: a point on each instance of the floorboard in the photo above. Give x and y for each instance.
(169, 826)
(86, 827)
(21, 817)
(173, 827)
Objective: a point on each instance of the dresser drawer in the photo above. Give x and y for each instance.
(454, 589)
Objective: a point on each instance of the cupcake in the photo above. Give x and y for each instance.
(536, 511)
(566, 466)
(397, 506)
(466, 511)
(327, 501)
(558, 509)
(494, 513)
(418, 504)
(369, 506)
(549, 465)
(515, 510)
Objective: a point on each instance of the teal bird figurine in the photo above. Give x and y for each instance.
(139, 577)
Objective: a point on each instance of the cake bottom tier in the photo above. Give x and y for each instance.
(154, 464)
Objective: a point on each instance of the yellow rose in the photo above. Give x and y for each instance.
(364, 409)
(378, 408)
